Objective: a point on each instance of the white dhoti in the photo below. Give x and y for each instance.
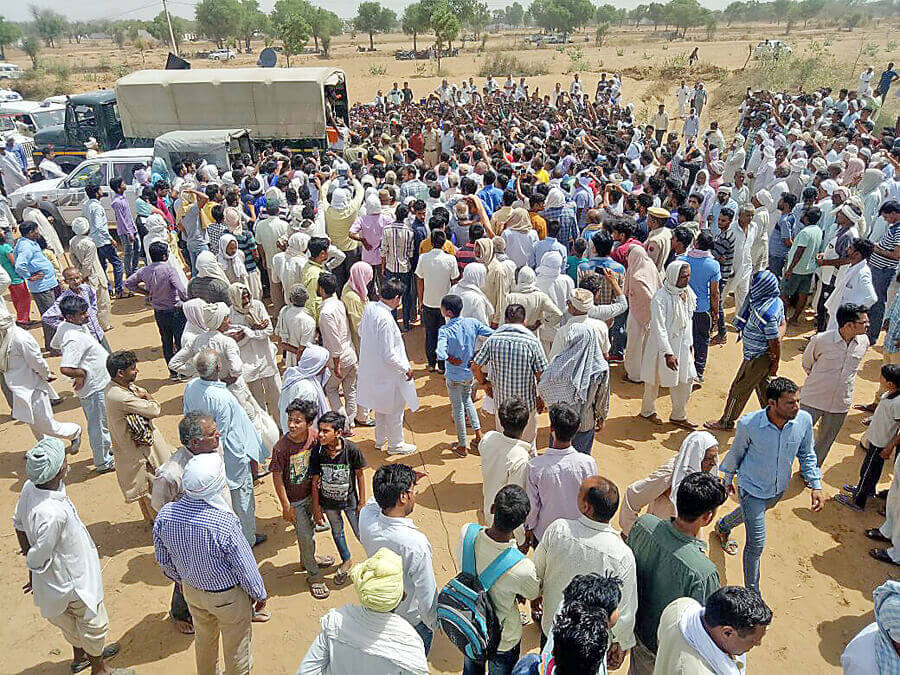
(265, 426)
(891, 526)
(45, 424)
(634, 348)
(680, 393)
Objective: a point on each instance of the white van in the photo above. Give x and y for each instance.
(10, 71)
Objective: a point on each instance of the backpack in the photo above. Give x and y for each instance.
(464, 608)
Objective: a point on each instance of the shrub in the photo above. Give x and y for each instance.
(377, 71)
(509, 63)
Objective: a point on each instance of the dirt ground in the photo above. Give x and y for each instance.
(816, 574)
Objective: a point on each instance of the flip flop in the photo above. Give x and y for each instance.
(875, 534)
(729, 545)
(341, 576)
(717, 426)
(261, 617)
(108, 652)
(458, 451)
(473, 446)
(865, 408)
(656, 419)
(325, 560)
(683, 424)
(881, 555)
(364, 423)
(847, 501)
(319, 590)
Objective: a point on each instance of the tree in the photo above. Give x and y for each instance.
(686, 14)
(480, 17)
(562, 16)
(48, 24)
(372, 18)
(600, 35)
(606, 14)
(638, 14)
(31, 45)
(159, 28)
(711, 27)
(809, 9)
(294, 32)
(734, 12)
(416, 20)
(323, 24)
(9, 33)
(118, 36)
(657, 14)
(218, 19)
(251, 21)
(779, 9)
(515, 14)
(446, 27)
(851, 21)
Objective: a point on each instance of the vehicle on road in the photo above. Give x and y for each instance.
(771, 48)
(8, 128)
(35, 115)
(10, 71)
(221, 55)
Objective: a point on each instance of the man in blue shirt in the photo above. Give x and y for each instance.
(490, 195)
(705, 277)
(885, 80)
(762, 457)
(547, 244)
(38, 272)
(456, 346)
(723, 200)
(93, 210)
(18, 151)
(782, 234)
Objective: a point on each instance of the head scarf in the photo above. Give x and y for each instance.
(372, 203)
(765, 199)
(340, 199)
(209, 267)
(473, 277)
(44, 460)
(310, 367)
(484, 251)
(204, 480)
(193, 312)
(250, 310)
(234, 262)
(213, 314)
(887, 617)
(871, 180)
(849, 213)
(297, 244)
(499, 246)
(156, 226)
(685, 299)
(855, 168)
(518, 221)
(555, 198)
(641, 269)
(80, 225)
(159, 167)
(762, 299)
(582, 299)
(525, 283)
(233, 220)
(6, 335)
(689, 457)
(379, 581)
(717, 167)
(572, 372)
(361, 275)
(550, 265)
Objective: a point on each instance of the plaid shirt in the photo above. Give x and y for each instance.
(204, 547)
(398, 245)
(514, 356)
(606, 295)
(568, 223)
(53, 317)
(413, 188)
(723, 250)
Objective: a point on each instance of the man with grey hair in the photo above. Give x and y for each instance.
(199, 434)
(240, 441)
(296, 327)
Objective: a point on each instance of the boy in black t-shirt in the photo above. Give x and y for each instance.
(336, 466)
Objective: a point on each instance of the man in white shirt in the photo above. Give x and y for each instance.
(682, 94)
(334, 328)
(296, 327)
(660, 122)
(436, 271)
(575, 86)
(84, 360)
(504, 455)
(62, 561)
(49, 168)
(267, 232)
(385, 522)
(589, 544)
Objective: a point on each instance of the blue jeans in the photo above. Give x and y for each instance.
(94, 407)
(409, 295)
(244, 505)
(530, 664)
(193, 256)
(881, 279)
(461, 405)
(107, 253)
(776, 265)
(583, 441)
(751, 512)
(426, 634)
(337, 529)
(131, 253)
(501, 664)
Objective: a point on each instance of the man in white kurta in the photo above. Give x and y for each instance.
(385, 378)
(745, 233)
(683, 94)
(667, 356)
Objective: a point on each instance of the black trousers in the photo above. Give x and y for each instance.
(869, 475)
(821, 311)
(432, 320)
(170, 323)
(702, 326)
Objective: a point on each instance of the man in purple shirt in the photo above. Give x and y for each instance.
(166, 293)
(552, 480)
(127, 230)
(75, 285)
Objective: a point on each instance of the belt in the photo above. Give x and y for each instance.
(224, 590)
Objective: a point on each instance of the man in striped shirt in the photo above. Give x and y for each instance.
(398, 246)
(723, 252)
(883, 263)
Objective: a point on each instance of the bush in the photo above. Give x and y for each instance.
(497, 64)
(377, 71)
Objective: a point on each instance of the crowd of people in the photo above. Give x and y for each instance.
(536, 241)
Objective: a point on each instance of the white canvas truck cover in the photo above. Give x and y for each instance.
(277, 103)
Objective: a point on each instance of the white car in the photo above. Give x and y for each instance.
(62, 197)
(35, 115)
(8, 95)
(771, 48)
(222, 55)
(10, 71)
(8, 128)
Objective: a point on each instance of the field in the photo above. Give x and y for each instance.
(816, 574)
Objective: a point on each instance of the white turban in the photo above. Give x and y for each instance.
(214, 313)
(81, 225)
(204, 480)
(340, 199)
(582, 299)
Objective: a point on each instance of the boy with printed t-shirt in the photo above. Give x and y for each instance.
(336, 467)
(293, 485)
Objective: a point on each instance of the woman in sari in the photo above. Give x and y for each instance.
(475, 303)
(306, 381)
(642, 280)
(498, 281)
(210, 282)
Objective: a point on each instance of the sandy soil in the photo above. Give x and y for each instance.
(815, 571)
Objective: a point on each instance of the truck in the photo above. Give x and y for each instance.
(291, 107)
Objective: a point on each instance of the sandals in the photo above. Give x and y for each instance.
(262, 616)
(341, 576)
(729, 545)
(459, 450)
(319, 590)
(870, 408)
(108, 652)
(875, 534)
(364, 423)
(183, 627)
(685, 424)
(717, 426)
(473, 447)
(325, 560)
(881, 555)
(652, 418)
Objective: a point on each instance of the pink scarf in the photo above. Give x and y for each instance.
(360, 277)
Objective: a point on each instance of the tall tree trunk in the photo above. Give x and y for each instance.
(371, 42)
(247, 44)
(3, 52)
(316, 40)
(414, 43)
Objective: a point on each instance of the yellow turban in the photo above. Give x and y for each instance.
(379, 581)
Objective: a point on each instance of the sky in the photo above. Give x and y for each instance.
(147, 9)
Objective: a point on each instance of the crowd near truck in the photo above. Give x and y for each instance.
(288, 106)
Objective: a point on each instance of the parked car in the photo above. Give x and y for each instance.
(35, 115)
(7, 95)
(534, 39)
(62, 198)
(558, 39)
(10, 71)
(774, 48)
(221, 55)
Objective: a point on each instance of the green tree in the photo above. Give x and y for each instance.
(48, 24)
(218, 19)
(810, 9)
(480, 17)
(515, 14)
(686, 14)
(779, 9)
(118, 36)
(638, 14)
(656, 13)
(31, 45)
(294, 32)
(372, 18)
(252, 20)
(159, 28)
(711, 26)
(446, 27)
(851, 21)
(562, 16)
(606, 14)
(416, 20)
(9, 33)
(734, 12)
(600, 35)
(323, 24)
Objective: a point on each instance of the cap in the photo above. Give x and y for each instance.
(658, 212)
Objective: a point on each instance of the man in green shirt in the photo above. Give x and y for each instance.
(671, 561)
(801, 262)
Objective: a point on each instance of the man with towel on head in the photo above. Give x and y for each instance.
(62, 561)
(199, 544)
(369, 637)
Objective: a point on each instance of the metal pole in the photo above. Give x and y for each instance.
(171, 32)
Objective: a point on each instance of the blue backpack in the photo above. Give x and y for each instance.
(464, 608)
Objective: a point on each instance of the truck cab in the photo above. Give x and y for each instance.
(92, 115)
